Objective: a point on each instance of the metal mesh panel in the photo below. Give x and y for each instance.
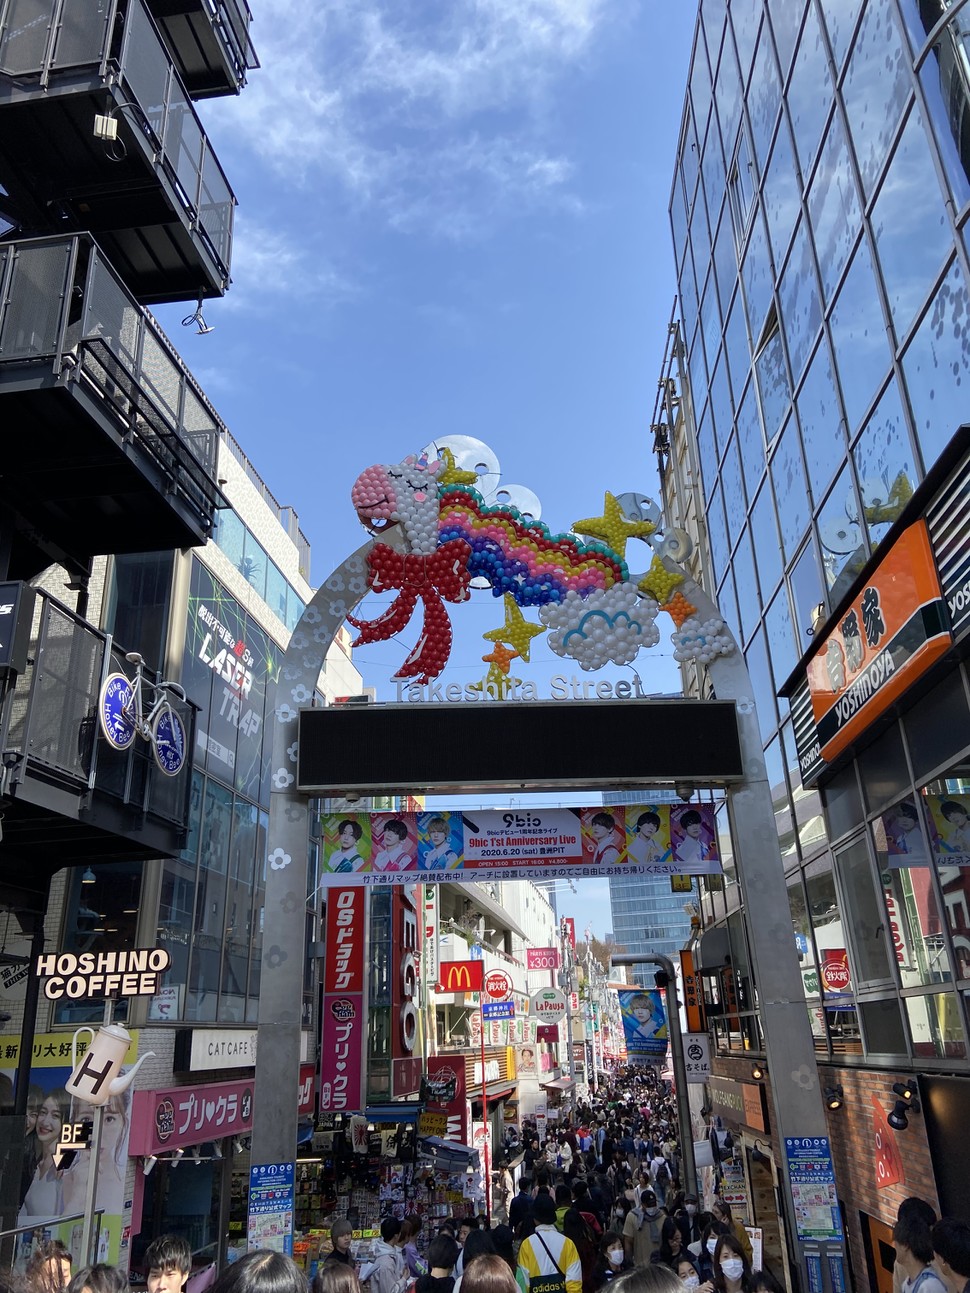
(184, 143)
(67, 675)
(160, 376)
(199, 430)
(146, 68)
(112, 315)
(18, 704)
(215, 208)
(82, 34)
(30, 326)
(24, 37)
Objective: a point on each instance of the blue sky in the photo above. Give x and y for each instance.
(452, 219)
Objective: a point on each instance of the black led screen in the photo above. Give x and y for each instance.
(522, 745)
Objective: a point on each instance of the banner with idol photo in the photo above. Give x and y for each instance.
(530, 844)
(47, 1194)
(946, 819)
(644, 1025)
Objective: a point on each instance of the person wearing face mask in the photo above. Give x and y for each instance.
(689, 1218)
(721, 1211)
(703, 1252)
(612, 1260)
(642, 1230)
(732, 1271)
(687, 1274)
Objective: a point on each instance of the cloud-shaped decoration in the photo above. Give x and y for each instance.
(607, 626)
(701, 642)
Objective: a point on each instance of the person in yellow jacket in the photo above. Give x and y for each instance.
(548, 1261)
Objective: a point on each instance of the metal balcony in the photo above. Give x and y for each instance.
(67, 797)
(209, 40)
(109, 443)
(156, 197)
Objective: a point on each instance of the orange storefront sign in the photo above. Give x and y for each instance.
(693, 997)
(891, 634)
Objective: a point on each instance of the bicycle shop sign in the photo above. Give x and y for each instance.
(136, 972)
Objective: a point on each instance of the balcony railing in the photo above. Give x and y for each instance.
(65, 312)
(49, 735)
(209, 40)
(56, 54)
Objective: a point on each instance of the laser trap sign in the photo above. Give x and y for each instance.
(635, 839)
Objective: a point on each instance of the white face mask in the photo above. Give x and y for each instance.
(691, 1209)
(733, 1268)
(691, 1282)
(711, 1245)
(616, 1256)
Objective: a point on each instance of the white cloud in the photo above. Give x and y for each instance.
(434, 113)
(268, 262)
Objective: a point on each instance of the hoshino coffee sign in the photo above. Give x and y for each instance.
(136, 972)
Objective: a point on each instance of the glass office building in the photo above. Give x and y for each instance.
(809, 433)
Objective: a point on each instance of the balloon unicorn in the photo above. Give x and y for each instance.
(447, 536)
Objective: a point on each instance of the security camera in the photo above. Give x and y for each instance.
(685, 789)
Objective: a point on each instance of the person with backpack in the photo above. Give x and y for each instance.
(660, 1176)
(642, 1230)
(548, 1261)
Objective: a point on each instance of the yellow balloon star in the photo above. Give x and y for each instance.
(452, 475)
(496, 682)
(613, 527)
(659, 582)
(517, 630)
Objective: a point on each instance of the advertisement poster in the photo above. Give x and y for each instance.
(904, 842)
(644, 1024)
(525, 1062)
(949, 826)
(271, 1208)
(813, 1187)
(49, 1194)
(640, 839)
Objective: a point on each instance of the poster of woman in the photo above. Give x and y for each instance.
(950, 828)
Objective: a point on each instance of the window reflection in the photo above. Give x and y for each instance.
(947, 88)
(710, 320)
(785, 21)
(875, 88)
(859, 336)
(865, 918)
(781, 194)
(757, 276)
(781, 637)
(678, 219)
(834, 208)
(780, 802)
(736, 339)
(840, 20)
(722, 409)
(700, 86)
(800, 308)
(910, 225)
(717, 531)
(935, 1026)
(823, 427)
(734, 502)
(884, 462)
(725, 259)
(788, 475)
(761, 684)
(764, 96)
(936, 366)
(745, 16)
(835, 976)
(913, 915)
(688, 160)
(942, 800)
(751, 445)
(841, 539)
(747, 587)
(712, 168)
(806, 591)
(773, 383)
(727, 96)
(810, 91)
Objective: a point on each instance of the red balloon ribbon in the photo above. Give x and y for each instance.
(441, 574)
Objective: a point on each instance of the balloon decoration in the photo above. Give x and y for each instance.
(594, 610)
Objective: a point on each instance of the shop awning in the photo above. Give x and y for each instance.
(404, 1111)
(559, 1084)
(450, 1151)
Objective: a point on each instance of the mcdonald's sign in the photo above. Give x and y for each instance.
(460, 976)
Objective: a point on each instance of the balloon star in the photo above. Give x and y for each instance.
(516, 630)
(452, 475)
(659, 582)
(496, 682)
(500, 658)
(613, 526)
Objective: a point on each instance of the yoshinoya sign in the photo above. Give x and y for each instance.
(547, 1005)
(136, 972)
(890, 635)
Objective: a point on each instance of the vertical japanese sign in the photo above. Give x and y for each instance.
(271, 1207)
(693, 997)
(813, 1187)
(342, 1031)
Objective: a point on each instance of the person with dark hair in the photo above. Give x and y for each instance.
(951, 1243)
(706, 1249)
(335, 1277)
(99, 1279)
(916, 1209)
(691, 847)
(387, 1260)
(442, 1254)
(613, 1260)
(564, 1201)
(602, 827)
(646, 847)
(576, 1229)
(410, 1229)
(49, 1268)
(913, 1240)
(671, 1244)
(732, 1270)
(689, 1219)
(520, 1209)
(504, 1243)
(395, 855)
(489, 1273)
(647, 1279)
(261, 1271)
(765, 1282)
(686, 1272)
(641, 1230)
(347, 857)
(721, 1211)
(168, 1261)
(582, 1202)
(547, 1254)
(341, 1239)
(478, 1244)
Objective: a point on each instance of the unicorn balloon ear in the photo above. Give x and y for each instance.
(422, 464)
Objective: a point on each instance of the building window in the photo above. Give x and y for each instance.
(741, 188)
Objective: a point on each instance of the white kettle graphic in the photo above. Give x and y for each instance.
(96, 1079)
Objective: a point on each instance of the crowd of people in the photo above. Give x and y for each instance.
(600, 1202)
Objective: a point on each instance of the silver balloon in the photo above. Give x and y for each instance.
(521, 497)
(638, 507)
(471, 455)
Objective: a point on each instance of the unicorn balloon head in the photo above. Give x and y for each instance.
(405, 494)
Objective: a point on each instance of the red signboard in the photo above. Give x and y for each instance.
(542, 958)
(836, 978)
(446, 1094)
(346, 927)
(461, 976)
(889, 1165)
(498, 985)
(547, 1033)
(305, 1097)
